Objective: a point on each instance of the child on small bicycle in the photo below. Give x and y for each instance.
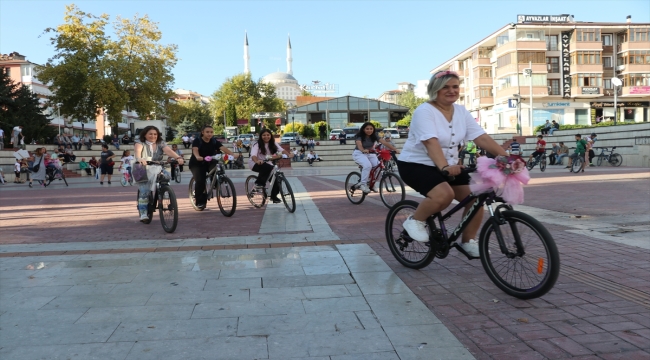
(127, 160)
(262, 152)
(365, 142)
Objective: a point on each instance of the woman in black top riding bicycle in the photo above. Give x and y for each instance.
(437, 127)
(205, 145)
(262, 152)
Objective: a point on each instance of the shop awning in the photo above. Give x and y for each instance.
(278, 122)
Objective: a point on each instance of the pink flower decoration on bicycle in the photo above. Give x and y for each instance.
(207, 158)
(506, 173)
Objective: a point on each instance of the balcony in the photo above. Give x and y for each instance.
(635, 91)
(586, 68)
(635, 68)
(483, 81)
(520, 46)
(633, 45)
(524, 90)
(485, 101)
(586, 45)
(481, 61)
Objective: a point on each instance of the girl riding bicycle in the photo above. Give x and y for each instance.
(262, 152)
(150, 147)
(204, 145)
(438, 126)
(365, 141)
(127, 160)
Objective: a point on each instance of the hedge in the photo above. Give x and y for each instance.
(601, 124)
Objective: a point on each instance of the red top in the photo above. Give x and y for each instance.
(541, 144)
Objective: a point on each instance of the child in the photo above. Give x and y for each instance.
(17, 172)
(127, 161)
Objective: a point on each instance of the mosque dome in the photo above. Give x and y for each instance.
(280, 77)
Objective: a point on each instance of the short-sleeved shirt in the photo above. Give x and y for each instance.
(428, 122)
(515, 148)
(581, 146)
(104, 156)
(367, 143)
(541, 144)
(255, 151)
(209, 148)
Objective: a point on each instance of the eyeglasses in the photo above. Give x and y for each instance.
(440, 74)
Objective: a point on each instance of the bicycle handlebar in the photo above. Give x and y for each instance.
(467, 170)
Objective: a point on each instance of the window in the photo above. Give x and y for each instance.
(607, 40)
(551, 43)
(587, 35)
(8, 71)
(506, 82)
(607, 84)
(554, 87)
(538, 80)
(582, 116)
(636, 80)
(530, 35)
(639, 34)
(585, 57)
(607, 61)
(483, 72)
(581, 79)
(553, 64)
(537, 57)
(484, 92)
(504, 60)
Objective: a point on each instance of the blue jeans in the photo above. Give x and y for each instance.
(550, 131)
(117, 145)
(558, 159)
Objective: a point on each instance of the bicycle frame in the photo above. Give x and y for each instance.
(273, 176)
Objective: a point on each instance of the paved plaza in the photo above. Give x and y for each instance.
(81, 278)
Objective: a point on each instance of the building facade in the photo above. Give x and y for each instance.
(392, 96)
(566, 66)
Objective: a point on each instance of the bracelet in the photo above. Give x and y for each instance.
(444, 167)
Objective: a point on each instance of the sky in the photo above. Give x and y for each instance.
(365, 47)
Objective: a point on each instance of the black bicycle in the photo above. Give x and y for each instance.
(538, 159)
(219, 184)
(517, 252)
(258, 196)
(614, 159)
(164, 199)
(52, 174)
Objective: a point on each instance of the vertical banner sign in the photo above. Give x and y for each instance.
(566, 64)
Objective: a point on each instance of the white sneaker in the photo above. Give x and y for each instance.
(364, 188)
(471, 248)
(416, 229)
(144, 217)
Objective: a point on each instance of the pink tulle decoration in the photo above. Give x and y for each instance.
(207, 158)
(508, 173)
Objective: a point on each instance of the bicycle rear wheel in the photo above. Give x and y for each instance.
(149, 208)
(354, 194)
(64, 179)
(615, 159)
(600, 160)
(391, 190)
(177, 174)
(226, 197)
(577, 164)
(256, 197)
(410, 253)
(191, 191)
(542, 164)
(530, 164)
(168, 208)
(124, 181)
(526, 276)
(287, 194)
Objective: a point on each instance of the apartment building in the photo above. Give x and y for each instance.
(571, 66)
(392, 96)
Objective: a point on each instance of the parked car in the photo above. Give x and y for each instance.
(335, 133)
(350, 132)
(243, 137)
(403, 131)
(288, 138)
(394, 134)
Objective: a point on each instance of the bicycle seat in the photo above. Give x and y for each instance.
(613, 148)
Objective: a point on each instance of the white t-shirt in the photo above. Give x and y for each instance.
(2, 133)
(17, 167)
(186, 139)
(428, 122)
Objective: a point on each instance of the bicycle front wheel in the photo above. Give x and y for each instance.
(354, 194)
(168, 209)
(615, 159)
(525, 274)
(64, 180)
(256, 197)
(124, 180)
(542, 164)
(577, 164)
(391, 190)
(600, 160)
(530, 164)
(410, 253)
(177, 174)
(226, 197)
(287, 195)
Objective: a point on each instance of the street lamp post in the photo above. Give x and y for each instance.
(529, 73)
(616, 82)
(518, 97)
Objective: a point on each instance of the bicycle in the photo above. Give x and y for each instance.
(258, 198)
(577, 163)
(391, 186)
(177, 174)
(539, 159)
(127, 179)
(218, 181)
(50, 176)
(510, 253)
(164, 199)
(614, 159)
(391, 164)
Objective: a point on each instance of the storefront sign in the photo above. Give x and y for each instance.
(591, 90)
(556, 104)
(639, 90)
(544, 18)
(627, 104)
(566, 64)
(320, 88)
(265, 115)
(512, 103)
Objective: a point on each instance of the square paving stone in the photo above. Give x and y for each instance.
(368, 319)
(311, 280)
(174, 329)
(372, 283)
(353, 250)
(323, 344)
(102, 300)
(247, 283)
(384, 355)
(436, 336)
(276, 294)
(400, 309)
(297, 323)
(431, 353)
(215, 348)
(328, 291)
(196, 297)
(290, 270)
(19, 318)
(18, 302)
(89, 289)
(366, 264)
(236, 309)
(99, 351)
(326, 269)
(332, 305)
(57, 333)
(136, 313)
(172, 285)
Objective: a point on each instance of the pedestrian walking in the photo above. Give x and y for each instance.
(106, 164)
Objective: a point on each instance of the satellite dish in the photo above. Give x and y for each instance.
(616, 81)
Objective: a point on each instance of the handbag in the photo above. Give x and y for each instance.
(36, 167)
(111, 163)
(139, 173)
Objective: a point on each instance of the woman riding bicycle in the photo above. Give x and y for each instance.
(150, 147)
(437, 127)
(365, 141)
(262, 152)
(204, 145)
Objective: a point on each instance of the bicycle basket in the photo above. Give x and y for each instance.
(384, 154)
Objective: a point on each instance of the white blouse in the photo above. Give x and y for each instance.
(428, 122)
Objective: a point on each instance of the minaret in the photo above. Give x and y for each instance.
(289, 58)
(247, 69)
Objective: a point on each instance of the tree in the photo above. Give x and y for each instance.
(409, 100)
(246, 97)
(308, 131)
(305, 93)
(92, 70)
(376, 124)
(290, 127)
(20, 106)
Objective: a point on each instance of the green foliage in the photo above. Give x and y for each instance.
(245, 129)
(306, 93)
(290, 127)
(270, 124)
(186, 126)
(19, 106)
(245, 96)
(92, 70)
(376, 124)
(601, 124)
(318, 125)
(411, 101)
(176, 141)
(406, 121)
(308, 131)
(108, 139)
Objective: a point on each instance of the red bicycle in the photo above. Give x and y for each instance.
(391, 186)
